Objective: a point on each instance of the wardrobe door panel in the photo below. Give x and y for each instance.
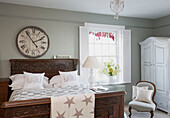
(159, 55)
(159, 78)
(147, 72)
(160, 69)
(147, 63)
(147, 55)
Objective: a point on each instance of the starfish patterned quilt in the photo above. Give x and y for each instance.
(73, 106)
(47, 92)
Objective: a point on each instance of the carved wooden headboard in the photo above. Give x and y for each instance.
(49, 66)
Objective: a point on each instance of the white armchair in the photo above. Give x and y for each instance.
(144, 106)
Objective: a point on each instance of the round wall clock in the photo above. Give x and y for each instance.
(32, 42)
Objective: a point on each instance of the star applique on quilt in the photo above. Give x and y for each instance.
(69, 101)
(78, 113)
(87, 100)
(60, 115)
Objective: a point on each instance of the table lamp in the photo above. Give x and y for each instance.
(91, 62)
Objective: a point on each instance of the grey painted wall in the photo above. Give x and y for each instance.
(62, 28)
(162, 27)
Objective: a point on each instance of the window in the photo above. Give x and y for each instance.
(107, 43)
(103, 45)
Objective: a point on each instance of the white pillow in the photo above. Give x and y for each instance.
(46, 82)
(144, 95)
(68, 72)
(134, 91)
(55, 81)
(69, 78)
(18, 81)
(33, 81)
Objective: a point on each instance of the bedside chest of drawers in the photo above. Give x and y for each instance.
(3, 92)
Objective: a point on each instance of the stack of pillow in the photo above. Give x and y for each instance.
(39, 81)
(142, 94)
(29, 81)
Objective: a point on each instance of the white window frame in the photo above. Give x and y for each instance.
(124, 35)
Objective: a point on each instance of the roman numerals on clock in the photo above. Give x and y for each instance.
(33, 53)
(33, 30)
(42, 47)
(27, 51)
(22, 41)
(23, 47)
(32, 42)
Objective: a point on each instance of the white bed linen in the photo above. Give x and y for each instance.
(24, 94)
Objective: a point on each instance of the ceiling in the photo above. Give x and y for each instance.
(151, 9)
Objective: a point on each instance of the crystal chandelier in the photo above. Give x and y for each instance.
(117, 6)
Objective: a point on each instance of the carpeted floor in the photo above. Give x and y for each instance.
(157, 114)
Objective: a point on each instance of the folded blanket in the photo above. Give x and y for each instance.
(74, 106)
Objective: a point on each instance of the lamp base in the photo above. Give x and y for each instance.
(91, 79)
(91, 86)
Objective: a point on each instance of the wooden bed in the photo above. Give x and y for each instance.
(107, 105)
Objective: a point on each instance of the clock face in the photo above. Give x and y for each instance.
(32, 42)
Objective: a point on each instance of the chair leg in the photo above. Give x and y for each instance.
(152, 114)
(130, 111)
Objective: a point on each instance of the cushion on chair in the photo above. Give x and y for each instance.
(141, 84)
(142, 106)
(134, 91)
(144, 95)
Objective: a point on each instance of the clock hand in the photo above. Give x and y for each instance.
(40, 39)
(31, 39)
